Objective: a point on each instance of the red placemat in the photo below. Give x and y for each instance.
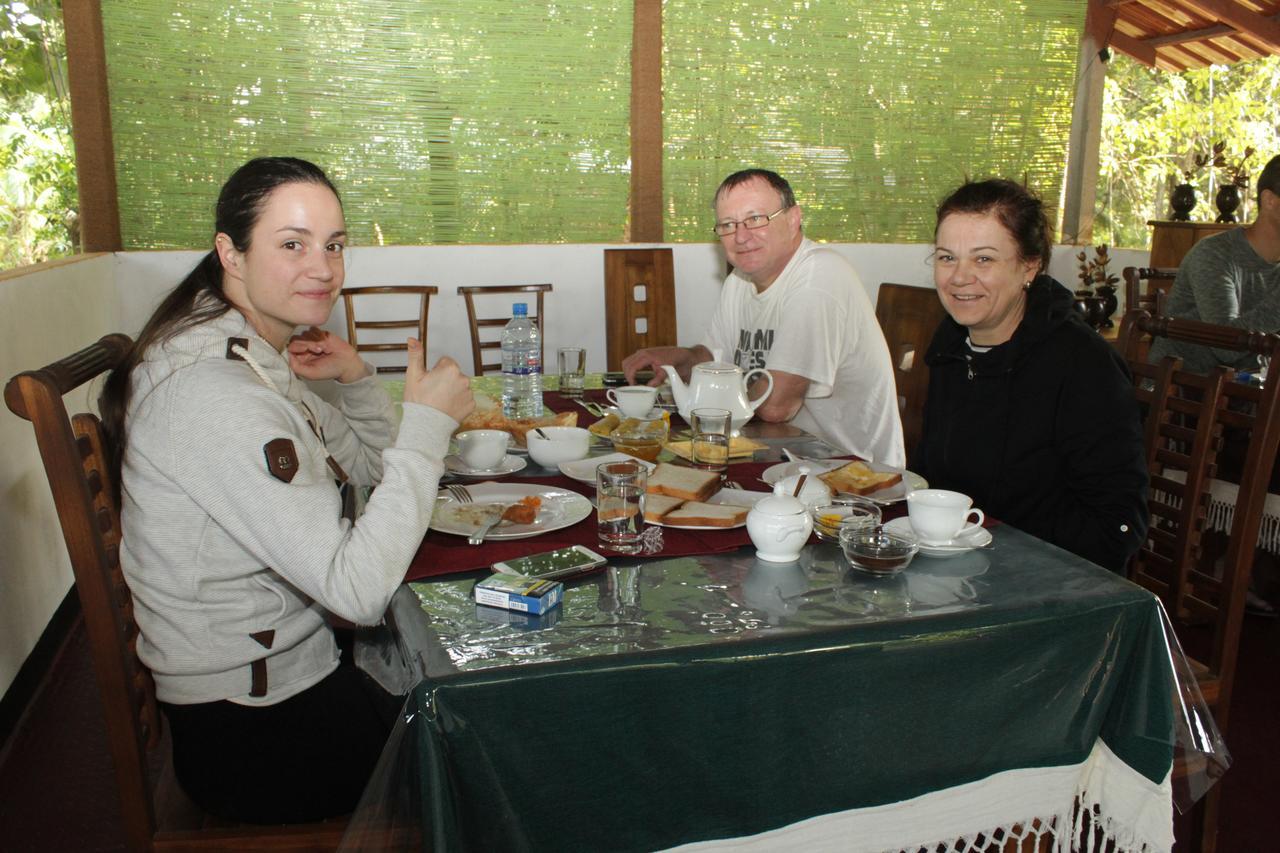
(443, 553)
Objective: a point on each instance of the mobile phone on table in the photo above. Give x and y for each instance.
(616, 378)
(559, 564)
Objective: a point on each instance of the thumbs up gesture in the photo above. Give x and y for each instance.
(443, 387)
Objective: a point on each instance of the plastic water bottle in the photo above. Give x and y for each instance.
(521, 366)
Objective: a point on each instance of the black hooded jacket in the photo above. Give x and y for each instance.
(1043, 431)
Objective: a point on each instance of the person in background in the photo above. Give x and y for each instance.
(234, 545)
(1230, 279)
(799, 310)
(1029, 412)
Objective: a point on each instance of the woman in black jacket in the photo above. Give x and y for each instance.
(1030, 412)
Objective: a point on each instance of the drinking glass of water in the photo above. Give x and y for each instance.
(573, 370)
(620, 490)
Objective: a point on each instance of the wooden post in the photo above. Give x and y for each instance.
(646, 122)
(91, 127)
(1080, 191)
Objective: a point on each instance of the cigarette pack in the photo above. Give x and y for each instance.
(513, 592)
(516, 619)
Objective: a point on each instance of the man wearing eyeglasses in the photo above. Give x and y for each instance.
(799, 310)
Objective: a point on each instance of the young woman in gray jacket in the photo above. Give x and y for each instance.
(234, 547)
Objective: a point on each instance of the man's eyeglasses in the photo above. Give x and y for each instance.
(760, 220)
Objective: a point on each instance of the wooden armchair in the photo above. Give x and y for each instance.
(73, 450)
(1151, 297)
(1187, 414)
(479, 346)
(908, 317)
(353, 295)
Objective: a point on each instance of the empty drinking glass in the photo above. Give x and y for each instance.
(709, 448)
(573, 370)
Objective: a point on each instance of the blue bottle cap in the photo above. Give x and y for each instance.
(520, 309)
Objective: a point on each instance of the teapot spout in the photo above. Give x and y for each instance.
(679, 391)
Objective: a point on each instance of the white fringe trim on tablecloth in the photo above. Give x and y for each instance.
(1130, 814)
(1222, 510)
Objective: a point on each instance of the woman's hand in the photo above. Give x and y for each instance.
(444, 387)
(317, 354)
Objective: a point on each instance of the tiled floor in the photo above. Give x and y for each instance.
(57, 791)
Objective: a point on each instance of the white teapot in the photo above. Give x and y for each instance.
(779, 526)
(718, 385)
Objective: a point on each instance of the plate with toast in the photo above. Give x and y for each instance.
(691, 498)
(882, 484)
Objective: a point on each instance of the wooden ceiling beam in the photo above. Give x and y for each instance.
(1134, 48)
(1264, 29)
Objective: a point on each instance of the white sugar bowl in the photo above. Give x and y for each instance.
(779, 526)
(813, 493)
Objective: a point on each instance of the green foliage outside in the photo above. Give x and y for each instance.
(38, 201)
(1155, 122)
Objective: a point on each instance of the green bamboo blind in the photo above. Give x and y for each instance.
(448, 121)
(872, 110)
(491, 121)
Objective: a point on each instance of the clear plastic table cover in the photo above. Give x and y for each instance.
(960, 667)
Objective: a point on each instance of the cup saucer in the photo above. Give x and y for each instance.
(970, 536)
(509, 465)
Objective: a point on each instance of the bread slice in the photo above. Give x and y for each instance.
(657, 506)
(857, 478)
(690, 484)
(697, 514)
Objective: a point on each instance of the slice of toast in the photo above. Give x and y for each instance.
(859, 479)
(690, 484)
(697, 514)
(657, 506)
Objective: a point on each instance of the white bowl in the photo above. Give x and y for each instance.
(562, 444)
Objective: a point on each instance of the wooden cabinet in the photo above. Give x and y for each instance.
(1170, 241)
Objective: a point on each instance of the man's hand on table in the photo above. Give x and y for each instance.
(655, 358)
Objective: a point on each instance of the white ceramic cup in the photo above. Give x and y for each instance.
(634, 401)
(483, 448)
(937, 515)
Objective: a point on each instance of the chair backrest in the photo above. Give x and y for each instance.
(1149, 298)
(639, 302)
(353, 296)
(75, 461)
(1186, 419)
(908, 317)
(478, 346)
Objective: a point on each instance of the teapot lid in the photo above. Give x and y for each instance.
(780, 503)
(717, 367)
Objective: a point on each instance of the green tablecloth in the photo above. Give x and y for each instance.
(717, 697)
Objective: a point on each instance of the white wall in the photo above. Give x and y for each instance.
(50, 312)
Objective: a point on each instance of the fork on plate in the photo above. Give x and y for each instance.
(459, 494)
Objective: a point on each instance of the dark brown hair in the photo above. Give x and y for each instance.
(773, 179)
(1270, 177)
(199, 297)
(1018, 209)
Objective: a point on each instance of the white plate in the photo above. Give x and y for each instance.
(510, 464)
(972, 536)
(893, 494)
(585, 469)
(729, 497)
(560, 508)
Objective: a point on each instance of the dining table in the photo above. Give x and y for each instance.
(701, 698)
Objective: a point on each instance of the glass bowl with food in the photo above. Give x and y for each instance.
(642, 438)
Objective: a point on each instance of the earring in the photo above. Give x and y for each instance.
(1026, 286)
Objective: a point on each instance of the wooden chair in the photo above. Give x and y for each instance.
(1151, 297)
(74, 454)
(908, 317)
(350, 295)
(1186, 417)
(478, 346)
(639, 302)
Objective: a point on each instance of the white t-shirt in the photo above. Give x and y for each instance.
(816, 321)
